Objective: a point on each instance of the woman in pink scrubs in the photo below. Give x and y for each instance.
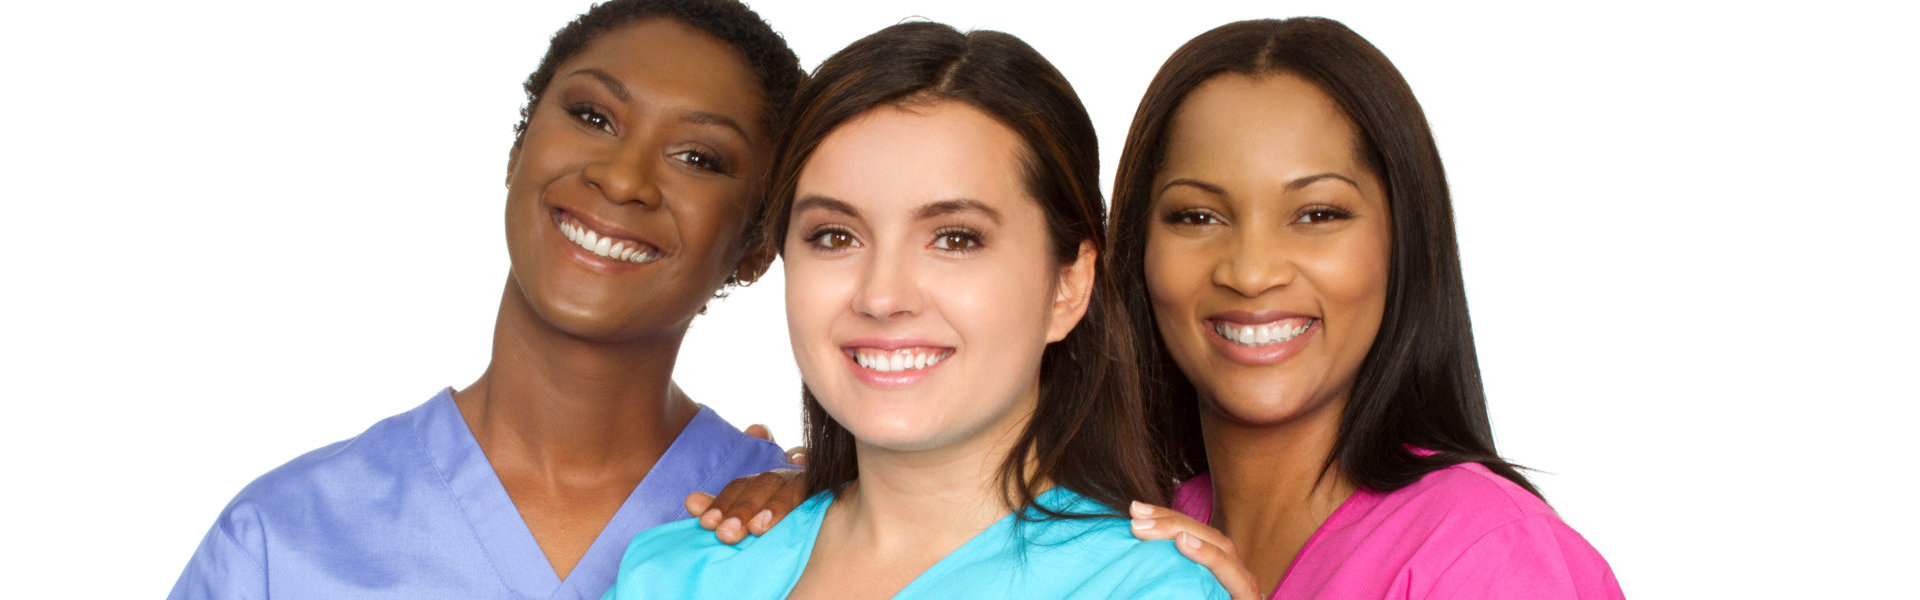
(1286, 244)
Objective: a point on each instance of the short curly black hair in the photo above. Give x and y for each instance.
(731, 21)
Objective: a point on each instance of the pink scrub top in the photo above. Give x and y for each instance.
(1459, 532)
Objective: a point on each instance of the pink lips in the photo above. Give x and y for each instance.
(1260, 355)
(931, 355)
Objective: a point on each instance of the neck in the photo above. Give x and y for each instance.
(1271, 486)
(909, 502)
(553, 404)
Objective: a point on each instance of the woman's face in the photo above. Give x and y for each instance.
(920, 288)
(627, 196)
(1266, 249)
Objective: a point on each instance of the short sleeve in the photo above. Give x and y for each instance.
(1532, 557)
(224, 567)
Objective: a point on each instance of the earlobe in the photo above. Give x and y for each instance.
(756, 261)
(513, 158)
(1072, 292)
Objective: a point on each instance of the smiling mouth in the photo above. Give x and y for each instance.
(604, 245)
(1260, 334)
(903, 359)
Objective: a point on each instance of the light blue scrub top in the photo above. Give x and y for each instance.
(412, 509)
(1062, 558)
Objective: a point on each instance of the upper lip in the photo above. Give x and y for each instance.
(609, 229)
(892, 343)
(1242, 317)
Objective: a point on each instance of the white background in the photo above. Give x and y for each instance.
(237, 231)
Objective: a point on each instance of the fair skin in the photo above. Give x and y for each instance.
(918, 314)
(1264, 222)
(1266, 261)
(649, 135)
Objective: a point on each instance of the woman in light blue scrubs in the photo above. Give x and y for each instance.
(632, 188)
(973, 424)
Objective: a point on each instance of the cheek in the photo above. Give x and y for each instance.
(1352, 281)
(1172, 275)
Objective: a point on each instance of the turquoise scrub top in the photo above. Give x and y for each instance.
(1059, 558)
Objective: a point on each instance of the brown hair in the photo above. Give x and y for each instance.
(1088, 432)
(1419, 386)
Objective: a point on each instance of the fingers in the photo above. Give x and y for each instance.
(797, 456)
(698, 503)
(764, 499)
(1199, 543)
(750, 505)
(1225, 567)
(757, 430)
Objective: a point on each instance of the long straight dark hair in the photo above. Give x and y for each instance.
(1088, 433)
(1419, 385)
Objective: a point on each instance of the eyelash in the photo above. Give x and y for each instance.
(1188, 215)
(813, 239)
(702, 160)
(972, 239)
(1314, 215)
(590, 116)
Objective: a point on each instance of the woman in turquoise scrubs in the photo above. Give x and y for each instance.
(973, 426)
(631, 186)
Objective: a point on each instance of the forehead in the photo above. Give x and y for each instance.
(1280, 124)
(922, 152)
(674, 66)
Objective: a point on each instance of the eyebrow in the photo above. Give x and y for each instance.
(957, 206)
(1294, 185)
(826, 204)
(620, 91)
(707, 118)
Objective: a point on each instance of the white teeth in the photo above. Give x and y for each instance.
(1260, 335)
(605, 245)
(901, 360)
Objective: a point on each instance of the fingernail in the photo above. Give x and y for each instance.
(1142, 524)
(761, 520)
(1187, 539)
(1139, 509)
(710, 519)
(731, 524)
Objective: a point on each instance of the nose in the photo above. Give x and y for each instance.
(1259, 262)
(889, 287)
(623, 174)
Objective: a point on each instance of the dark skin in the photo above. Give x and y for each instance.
(650, 136)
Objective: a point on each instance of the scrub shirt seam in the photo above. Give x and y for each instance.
(1483, 537)
(465, 516)
(258, 565)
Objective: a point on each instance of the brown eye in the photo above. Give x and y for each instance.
(591, 117)
(832, 240)
(1321, 215)
(957, 241)
(1192, 217)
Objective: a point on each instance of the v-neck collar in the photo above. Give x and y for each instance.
(999, 533)
(692, 460)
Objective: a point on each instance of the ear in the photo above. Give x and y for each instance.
(1071, 293)
(754, 263)
(513, 160)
